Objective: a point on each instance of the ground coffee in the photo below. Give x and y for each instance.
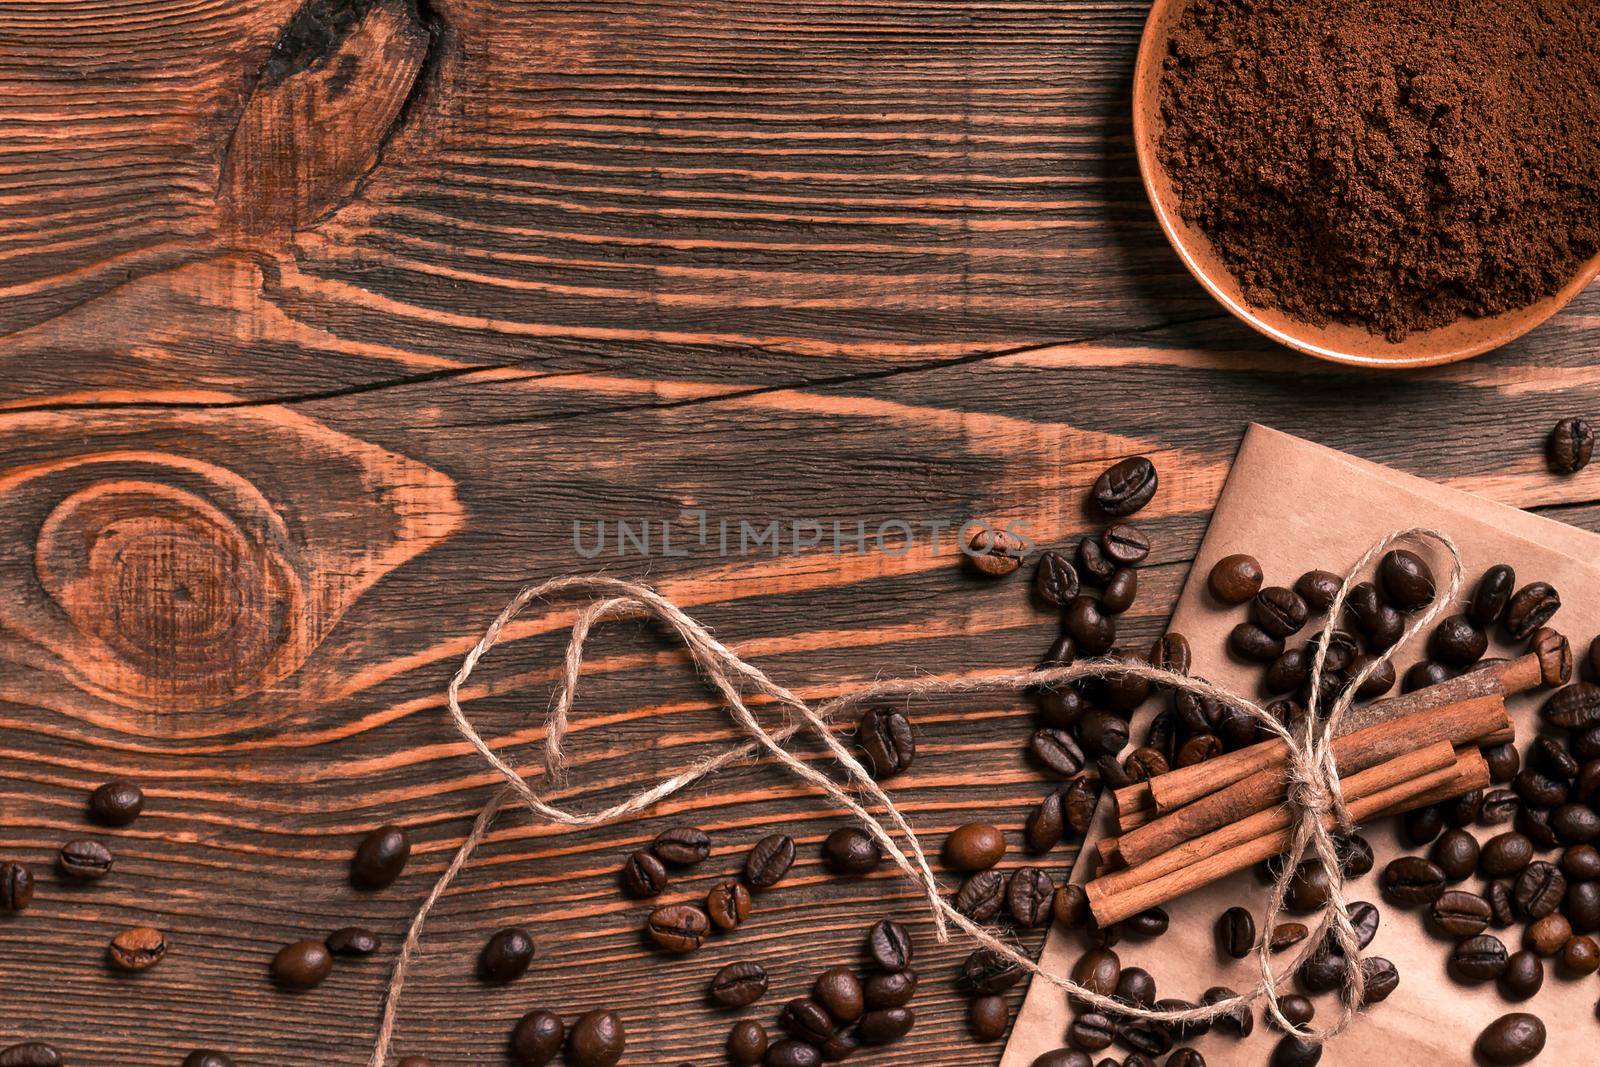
(1395, 164)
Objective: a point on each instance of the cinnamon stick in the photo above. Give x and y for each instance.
(1468, 722)
(1109, 905)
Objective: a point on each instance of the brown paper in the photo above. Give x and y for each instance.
(1297, 506)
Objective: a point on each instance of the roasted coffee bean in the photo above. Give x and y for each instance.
(1547, 936)
(116, 803)
(1101, 936)
(1235, 579)
(1530, 608)
(1093, 562)
(1554, 653)
(1504, 762)
(1523, 976)
(1147, 924)
(987, 972)
(1501, 905)
(1061, 653)
(1343, 647)
(890, 946)
(1355, 855)
(1122, 589)
(1536, 787)
(1288, 672)
(1091, 1032)
(678, 927)
(682, 846)
(1380, 978)
(891, 990)
(1424, 673)
(1055, 580)
(1463, 810)
(728, 904)
(769, 861)
(1146, 1039)
(1029, 894)
(1586, 742)
(643, 876)
(839, 990)
(1045, 825)
(353, 941)
(1581, 863)
(1100, 733)
(1318, 589)
(1576, 707)
(1575, 823)
(1063, 1057)
(1186, 1057)
(1582, 906)
(302, 965)
(747, 1043)
(1135, 986)
(1479, 959)
(1125, 487)
(84, 860)
(1145, 763)
(1534, 823)
(1552, 757)
(1287, 935)
(1057, 752)
(1250, 642)
(1235, 931)
(597, 1039)
(1183, 1031)
(1456, 854)
(1235, 728)
(1092, 629)
(884, 1026)
(537, 1037)
(1406, 578)
(738, 984)
(1412, 881)
(380, 858)
(141, 947)
(1382, 624)
(1296, 1009)
(1580, 956)
(1070, 907)
(1539, 889)
(1570, 446)
(16, 886)
(1310, 888)
(1504, 854)
(1457, 642)
(806, 1020)
(1062, 708)
(1511, 1039)
(1491, 596)
(205, 1057)
(981, 896)
(415, 1061)
(885, 736)
(851, 850)
(1126, 544)
(1198, 749)
(1291, 1051)
(1240, 1021)
(1171, 652)
(1377, 682)
(988, 1018)
(31, 1054)
(1459, 914)
(1098, 970)
(507, 955)
(1498, 808)
(993, 553)
(791, 1053)
(1279, 611)
(1422, 825)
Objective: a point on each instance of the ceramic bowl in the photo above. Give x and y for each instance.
(1344, 344)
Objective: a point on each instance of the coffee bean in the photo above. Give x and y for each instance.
(1070, 907)
(643, 876)
(1145, 763)
(1029, 894)
(1549, 935)
(885, 736)
(1539, 889)
(1171, 652)
(890, 946)
(1100, 733)
(1092, 1032)
(1530, 608)
(678, 927)
(1382, 624)
(987, 972)
(852, 851)
(1078, 802)
(1122, 589)
(1250, 642)
(205, 1057)
(1235, 579)
(1380, 978)
(1062, 707)
(791, 1053)
(1126, 544)
(597, 1040)
(352, 941)
(1055, 580)
(981, 896)
(1575, 823)
(993, 553)
(116, 803)
(1291, 1051)
(1582, 906)
(1288, 672)
(1422, 825)
(1183, 1031)
(16, 886)
(1479, 959)
(1552, 758)
(1456, 854)
(1318, 589)
(1287, 935)
(1135, 986)
(1063, 1057)
(738, 984)
(1576, 707)
(1580, 956)
(988, 1018)
(140, 948)
(1504, 762)
(1537, 788)
(1499, 807)
(1406, 578)
(507, 955)
(1186, 1057)
(975, 846)
(84, 860)
(1534, 823)
(1279, 611)
(1310, 888)
(1240, 1021)
(1523, 976)
(1378, 682)
(747, 1043)
(1057, 752)
(1296, 1009)
(1457, 642)
(1093, 562)
(891, 990)
(1098, 971)
(1412, 881)
(682, 846)
(1424, 673)
(1093, 630)
(1504, 854)
(1235, 931)
(769, 861)
(1570, 446)
(1581, 863)
(1512, 1039)
(1146, 1039)
(839, 990)
(1459, 914)
(1554, 653)
(806, 1020)
(302, 965)
(1125, 487)
(1045, 825)
(1503, 908)
(537, 1037)
(380, 858)
(30, 1054)
(885, 1025)
(1147, 924)
(728, 904)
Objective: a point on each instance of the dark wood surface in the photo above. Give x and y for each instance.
(322, 328)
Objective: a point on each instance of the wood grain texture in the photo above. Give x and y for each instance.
(321, 326)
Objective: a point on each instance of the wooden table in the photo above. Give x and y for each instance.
(321, 332)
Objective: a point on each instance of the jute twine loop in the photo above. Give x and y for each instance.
(1313, 793)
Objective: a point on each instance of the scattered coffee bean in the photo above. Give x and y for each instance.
(1098, 970)
(1239, 1022)
(1070, 907)
(1062, 707)
(1171, 652)
(1570, 446)
(885, 1026)
(352, 941)
(1530, 608)
(205, 1057)
(1147, 924)
(728, 904)
(16, 886)
(1057, 751)
(987, 973)
(1126, 544)
(1287, 935)
(682, 846)
(850, 850)
(1576, 707)
(1499, 807)
(1291, 1051)
(1378, 681)
(993, 553)
(644, 876)
(1100, 733)
(1250, 642)
(1523, 976)
(1092, 629)
(1235, 579)
(988, 1018)
(1029, 896)
(30, 1054)
(1412, 881)
(1581, 863)
(1459, 914)
(1125, 487)
(1580, 956)
(792, 1053)
(769, 861)
(1583, 906)
(891, 990)
(302, 965)
(1424, 673)
(981, 896)
(84, 860)
(1092, 1032)
(380, 858)
(1296, 1009)
(975, 846)
(1456, 642)
(886, 738)
(840, 991)
(1380, 978)
(1539, 889)
(1512, 1039)
(1055, 580)
(1045, 825)
(1318, 589)
(678, 927)
(890, 946)
(1554, 653)
(1505, 854)
(1504, 762)
(747, 1043)
(1093, 562)
(1122, 589)
(1422, 825)
(1379, 620)
(507, 955)
(1479, 959)
(806, 1020)
(1279, 611)
(1136, 986)
(141, 947)
(597, 1040)
(536, 1039)
(738, 984)
(1236, 933)
(1503, 908)
(1310, 888)
(1456, 854)
(116, 803)
(1549, 935)
(1406, 578)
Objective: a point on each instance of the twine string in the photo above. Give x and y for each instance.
(1313, 792)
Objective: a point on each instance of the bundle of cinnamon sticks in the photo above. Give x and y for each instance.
(1195, 825)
